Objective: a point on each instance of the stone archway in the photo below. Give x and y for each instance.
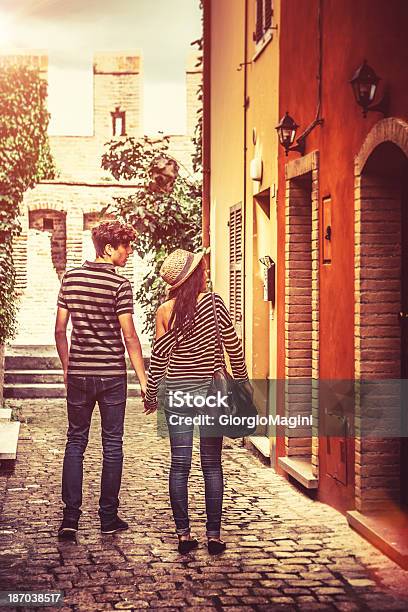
(380, 170)
(40, 255)
(54, 223)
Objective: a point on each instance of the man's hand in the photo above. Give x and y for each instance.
(61, 341)
(133, 347)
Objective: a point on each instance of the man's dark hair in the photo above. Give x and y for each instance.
(111, 232)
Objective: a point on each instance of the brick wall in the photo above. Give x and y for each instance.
(117, 83)
(79, 206)
(38, 303)
(377, 330)
(302, 301)
(37, 60)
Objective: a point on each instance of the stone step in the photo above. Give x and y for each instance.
(30, 391)
(5, 414)
(46, 349)
(9, 439)
(43, 362)
(29, 377)
(31, 349)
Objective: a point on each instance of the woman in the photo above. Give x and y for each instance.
(186, 352)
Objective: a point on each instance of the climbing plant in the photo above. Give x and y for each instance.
(198, 132)
(25, 159)
(164, 219)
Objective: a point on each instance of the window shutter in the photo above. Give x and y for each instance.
(259, 29)
(268, 14)
(235, 267)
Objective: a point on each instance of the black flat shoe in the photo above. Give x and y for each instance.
(117, 524)
(186, 546)
(68, 529)
(215, 547)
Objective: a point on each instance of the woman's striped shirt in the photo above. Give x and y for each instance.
(95, 296)
(196, 356)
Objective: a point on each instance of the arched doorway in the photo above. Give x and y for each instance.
(381, 321)
(42, 256)
(52, 222)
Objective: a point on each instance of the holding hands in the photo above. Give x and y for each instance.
(149, 407)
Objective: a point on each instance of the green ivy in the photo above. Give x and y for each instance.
(25, 159)
(198, 132)
(164, 221)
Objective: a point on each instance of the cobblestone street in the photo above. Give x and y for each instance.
(285, 551)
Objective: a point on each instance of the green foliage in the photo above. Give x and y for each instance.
(164, 221)
(198, 132)
(24, 160)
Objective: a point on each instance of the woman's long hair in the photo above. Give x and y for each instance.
(185, 295)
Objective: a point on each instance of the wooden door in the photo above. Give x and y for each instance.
(235, 267)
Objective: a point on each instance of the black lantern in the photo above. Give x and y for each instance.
(287, 133)
(364, 84)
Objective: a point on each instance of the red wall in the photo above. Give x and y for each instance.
(352, 30)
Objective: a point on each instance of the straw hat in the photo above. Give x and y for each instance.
(178, 266)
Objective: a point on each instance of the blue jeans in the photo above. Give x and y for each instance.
(181, 443)
(82, 394)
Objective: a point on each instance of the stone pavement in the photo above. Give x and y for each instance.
(285, 551)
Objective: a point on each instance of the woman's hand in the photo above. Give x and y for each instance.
(149, 408)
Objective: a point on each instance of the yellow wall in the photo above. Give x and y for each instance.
(227, 165)
(227, 136)
(261, 231)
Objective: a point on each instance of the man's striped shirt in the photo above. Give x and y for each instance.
(95, 296)
(196, 357)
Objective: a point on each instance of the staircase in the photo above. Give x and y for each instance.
(35, 372)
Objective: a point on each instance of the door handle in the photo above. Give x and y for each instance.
(402, 315)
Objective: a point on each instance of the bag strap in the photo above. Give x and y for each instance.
(217, 329)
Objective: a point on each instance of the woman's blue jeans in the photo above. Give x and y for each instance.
(181, 442)
(82, 394)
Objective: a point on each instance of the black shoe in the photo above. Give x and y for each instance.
(116, 525)
(186, 546)
(68, 528)
(215, 547)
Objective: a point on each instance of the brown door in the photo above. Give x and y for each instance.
(404, 344)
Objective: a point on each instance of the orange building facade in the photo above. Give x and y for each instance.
(333, 218)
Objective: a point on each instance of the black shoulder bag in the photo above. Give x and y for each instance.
(234, 413)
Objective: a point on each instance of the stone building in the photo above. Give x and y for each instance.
(57, 216)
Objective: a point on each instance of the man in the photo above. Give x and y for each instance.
(100, 304)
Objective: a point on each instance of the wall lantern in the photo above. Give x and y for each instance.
(287, 132)
(286, 129)
(364, 84)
